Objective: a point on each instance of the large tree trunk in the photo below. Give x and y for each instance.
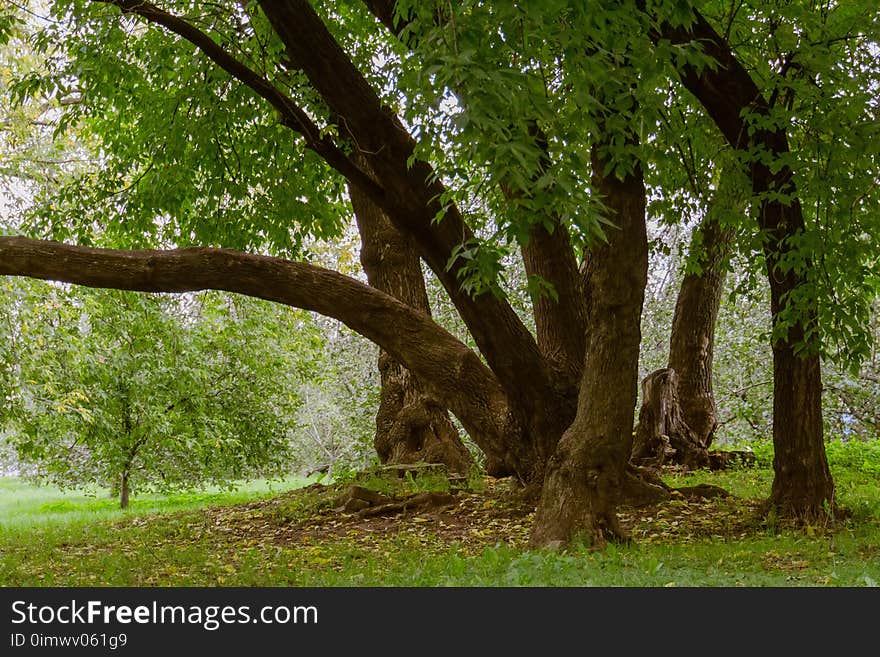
(692, 340)
(410, 195)
(677, 418)
(560, 322)
(411, 425)
(587, 473)
(802, 485)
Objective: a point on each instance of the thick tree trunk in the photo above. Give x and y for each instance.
(802, 485)
(560, 323)
(411, 425)
(692, 340)
(410, 195)
(587, 473)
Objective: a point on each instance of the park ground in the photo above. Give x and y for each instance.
(294, 533)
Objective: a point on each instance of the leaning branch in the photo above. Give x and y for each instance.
(452, 372)
(561, 323)
(291, 114)
(413, 198)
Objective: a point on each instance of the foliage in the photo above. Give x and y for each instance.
(507, 101)
(855, 455)
(192, 169)
(499, 97)
(167, 392)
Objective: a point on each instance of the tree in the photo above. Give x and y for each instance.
(411, 426)
(678, 417)
(146, 392)
(545, 151)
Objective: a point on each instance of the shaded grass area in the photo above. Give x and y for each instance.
(298, 538)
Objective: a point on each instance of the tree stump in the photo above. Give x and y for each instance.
(662, 435)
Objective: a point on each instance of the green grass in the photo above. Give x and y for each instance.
(54, 538)
(24, 506)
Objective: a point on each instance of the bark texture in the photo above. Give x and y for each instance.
(587, 476)
(692, 340)
(663, 435)
(411, 425)
(678, 416)
(560, 322)
(124, 490)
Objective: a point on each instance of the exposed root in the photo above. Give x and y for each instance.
(642, 486)
(811, 518)
(368, 503)
(702, 491)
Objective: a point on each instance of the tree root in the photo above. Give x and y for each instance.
(368, 503)
(642, 487)
(702, 491)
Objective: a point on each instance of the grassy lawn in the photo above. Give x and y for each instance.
(273, 534)
(27, 506)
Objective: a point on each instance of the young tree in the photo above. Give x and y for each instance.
(147, 392)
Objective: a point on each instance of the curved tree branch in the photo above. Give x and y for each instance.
(410, 195)
(450, 371)
(291, 114)
(548, 254)
(413, 196)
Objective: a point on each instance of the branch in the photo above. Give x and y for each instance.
(291, 114)
(561, 323)
(729, 95)
(451, 371)
(725, 89)
(413, 195)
